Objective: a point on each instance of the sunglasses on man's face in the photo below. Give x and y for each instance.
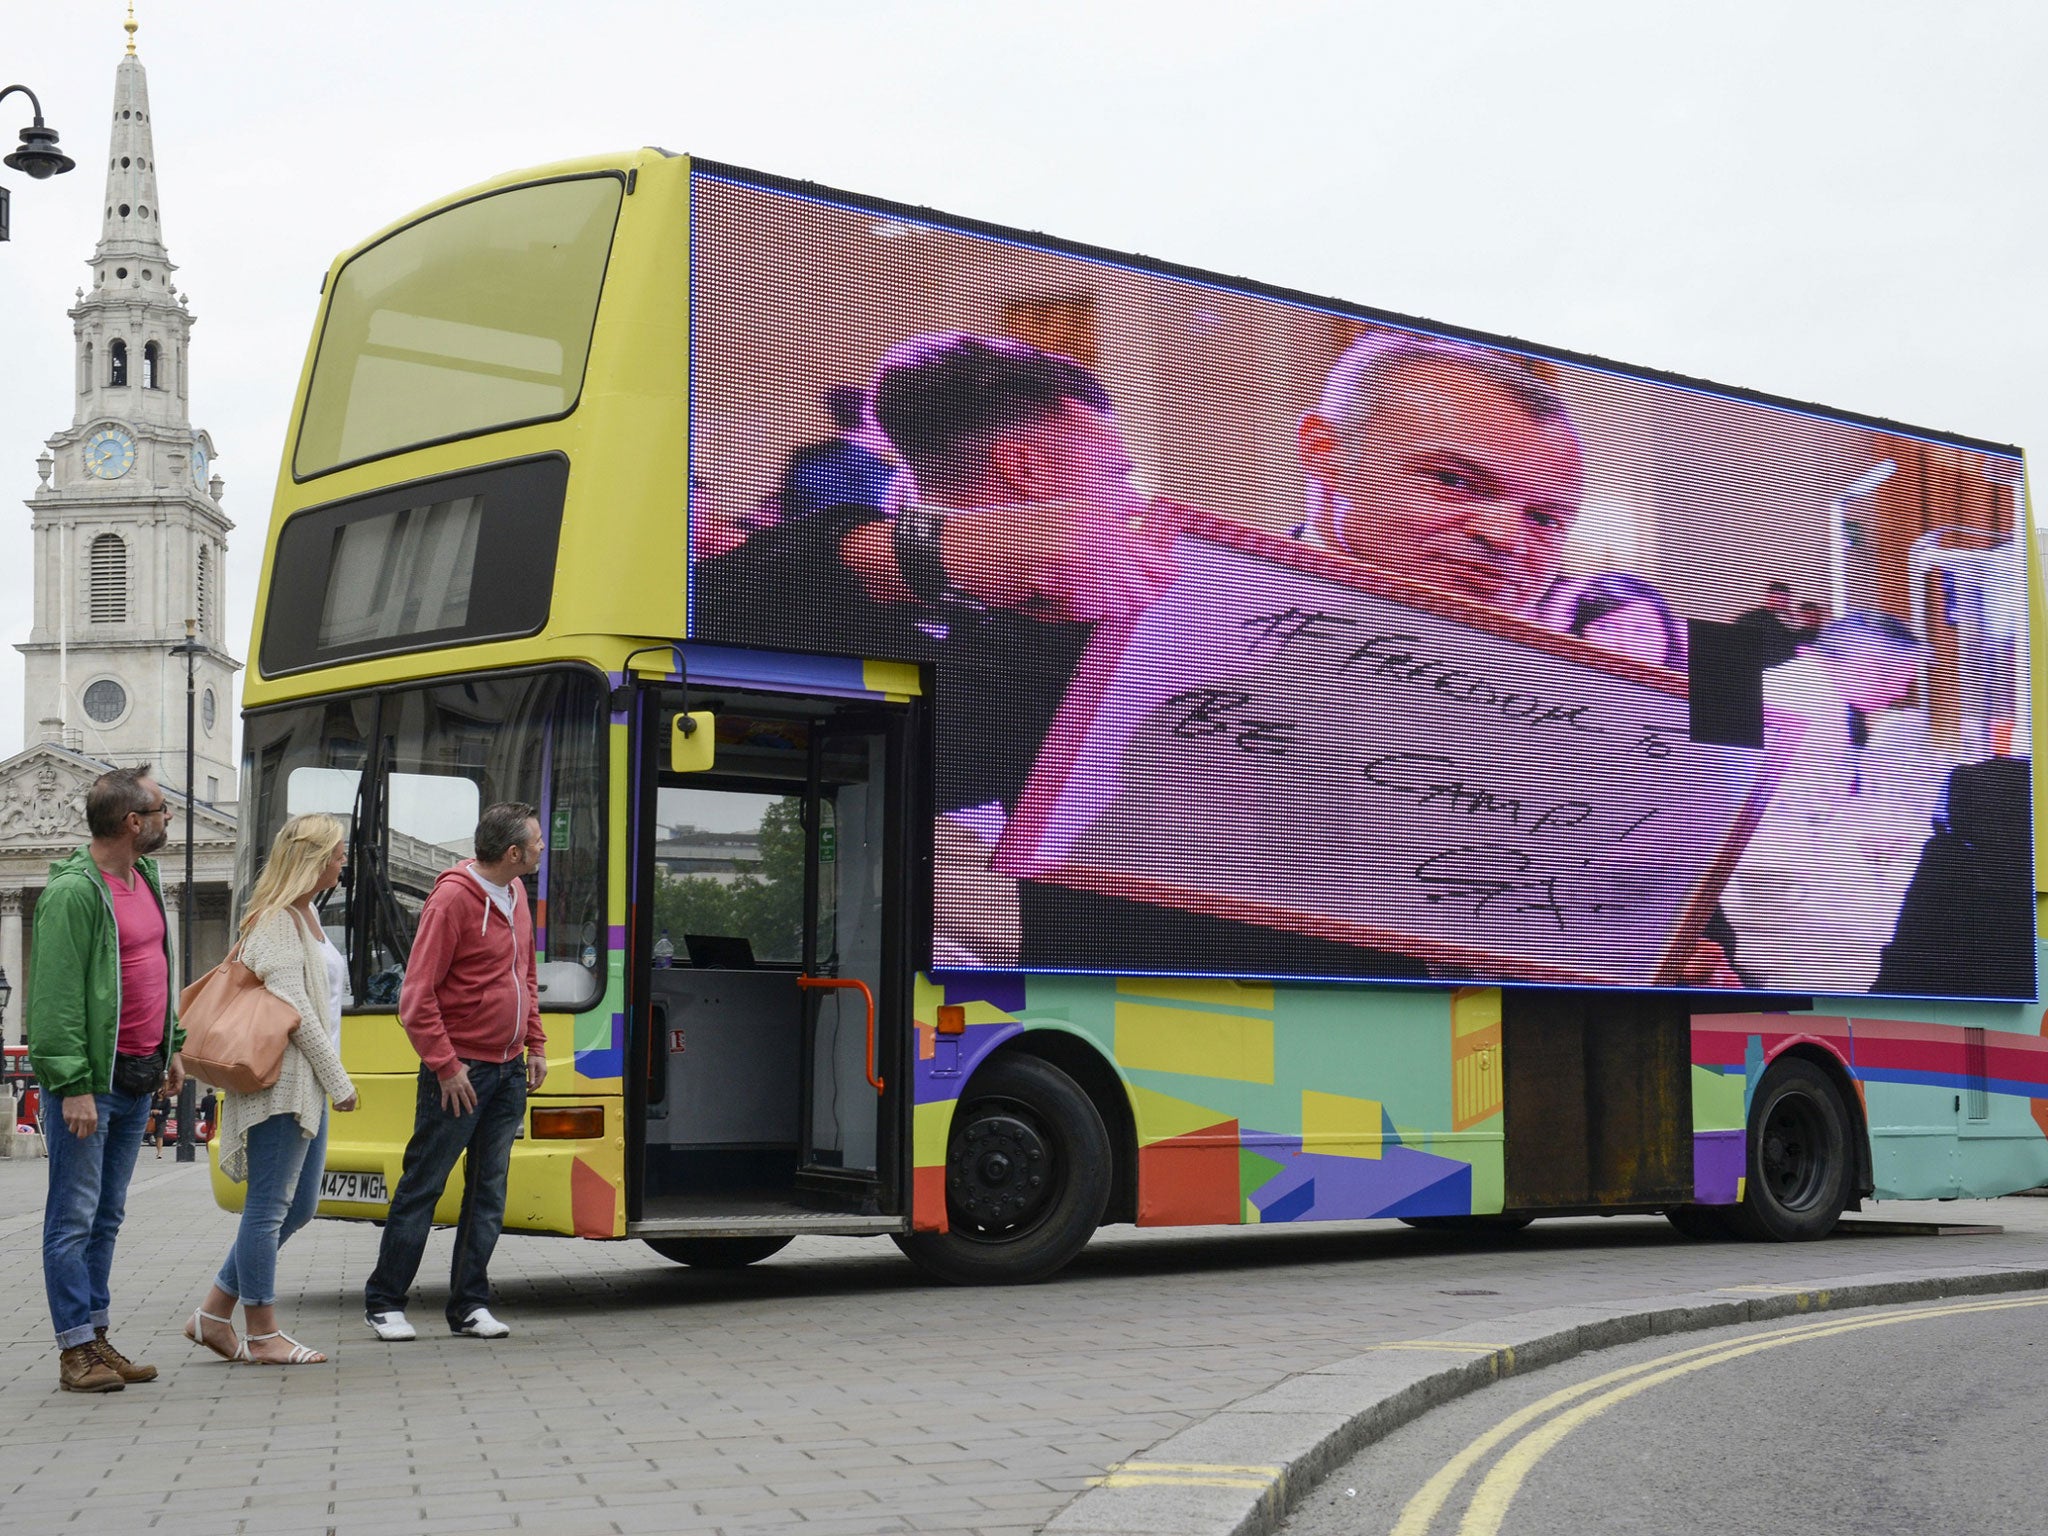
(161, 808)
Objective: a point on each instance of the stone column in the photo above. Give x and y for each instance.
(11, 962)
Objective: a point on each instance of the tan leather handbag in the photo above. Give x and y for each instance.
(235, 1027)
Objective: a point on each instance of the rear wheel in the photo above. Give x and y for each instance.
(717, 1252)
(1799, 1163)
(1027, 1178)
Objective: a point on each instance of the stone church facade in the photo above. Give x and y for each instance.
(130, 561)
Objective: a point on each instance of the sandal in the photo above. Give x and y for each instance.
(195, 1330)
(300, 1354)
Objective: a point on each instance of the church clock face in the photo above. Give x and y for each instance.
(109, 453)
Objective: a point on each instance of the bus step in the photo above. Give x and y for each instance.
(793, 1224)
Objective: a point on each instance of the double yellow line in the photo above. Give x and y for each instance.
(1488, 1506)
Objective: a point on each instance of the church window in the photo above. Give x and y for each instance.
(107, 571)
(124, 210)
(202, 582)
(117, 362)
(151, 358)
(209, 711)
(105, 701)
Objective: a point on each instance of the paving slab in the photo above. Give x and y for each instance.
(831, 1388)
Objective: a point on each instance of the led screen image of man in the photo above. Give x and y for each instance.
(1445, 464)
(1438, 462)
(1025, 532)
(1817, 892)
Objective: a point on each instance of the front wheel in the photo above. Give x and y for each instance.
(717, 1252)
(1799, 1163)
(1027, 1178)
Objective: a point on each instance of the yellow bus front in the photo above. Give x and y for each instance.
(479, 519)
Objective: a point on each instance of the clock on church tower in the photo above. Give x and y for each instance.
(130, 538)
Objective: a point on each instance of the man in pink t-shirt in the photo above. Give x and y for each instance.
(102, 1039)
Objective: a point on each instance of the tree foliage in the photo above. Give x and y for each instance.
(766, 909)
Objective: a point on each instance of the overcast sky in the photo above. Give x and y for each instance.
(1833, 202)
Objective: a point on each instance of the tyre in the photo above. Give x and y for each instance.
(1703, 1223)
(1798, 1156)
(717, 1252)
(1027, 1178)
(1468, 1226)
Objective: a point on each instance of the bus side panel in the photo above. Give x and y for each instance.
(1958, 1096)
(1252, 1102)
(1955, 1095)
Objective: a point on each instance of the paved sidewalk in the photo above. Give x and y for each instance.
(826, 1391)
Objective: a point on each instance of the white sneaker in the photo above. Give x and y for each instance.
(391, 1326)
(480, 1325)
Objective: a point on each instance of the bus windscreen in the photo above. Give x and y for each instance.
(1269, 638)
(475, 318)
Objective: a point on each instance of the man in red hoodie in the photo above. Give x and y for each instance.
(470, 1005)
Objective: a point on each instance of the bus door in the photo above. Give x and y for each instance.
(775, 978)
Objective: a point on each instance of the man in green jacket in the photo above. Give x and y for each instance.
(103, 1036)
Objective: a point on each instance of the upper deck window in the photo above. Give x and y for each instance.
(475, 318)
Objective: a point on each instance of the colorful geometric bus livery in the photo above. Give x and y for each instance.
(1244, 1112)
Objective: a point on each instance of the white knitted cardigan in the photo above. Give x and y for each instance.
(288, 960)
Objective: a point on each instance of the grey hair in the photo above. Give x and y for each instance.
(1873, 628)
(114, 797)
(501, 827)
(1363, 376)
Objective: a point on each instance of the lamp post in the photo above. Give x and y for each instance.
(188, 1096)
(39, 157)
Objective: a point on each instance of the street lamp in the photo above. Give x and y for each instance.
(188, 1096)
(6, 997)
(39, 158)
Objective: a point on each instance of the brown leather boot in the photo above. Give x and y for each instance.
(128, 1370)
(80, 1369)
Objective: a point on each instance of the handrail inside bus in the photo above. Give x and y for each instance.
(867, 997)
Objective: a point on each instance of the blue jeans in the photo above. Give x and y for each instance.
(283, 1193)
(438, 1139)
(82, 1217)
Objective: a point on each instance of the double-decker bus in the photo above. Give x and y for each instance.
(1029, 737)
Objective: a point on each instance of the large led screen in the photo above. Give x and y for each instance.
(1270, 638)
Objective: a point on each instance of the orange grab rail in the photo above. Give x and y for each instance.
(867, 997)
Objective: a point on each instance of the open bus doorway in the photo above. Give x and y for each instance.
(774, 982)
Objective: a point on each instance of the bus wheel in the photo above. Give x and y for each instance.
(1798, 1173)
(1703, 1223)
(1027, 1178)
(1467, 1226)
(717, 1252)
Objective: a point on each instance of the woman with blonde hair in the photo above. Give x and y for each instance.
(276, 1138)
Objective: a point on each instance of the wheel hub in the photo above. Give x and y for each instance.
(999, 1172)
(1787, 1154)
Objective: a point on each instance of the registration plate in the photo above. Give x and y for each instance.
(360, 1188)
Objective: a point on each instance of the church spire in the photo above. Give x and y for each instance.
(132, 225)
